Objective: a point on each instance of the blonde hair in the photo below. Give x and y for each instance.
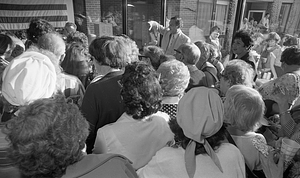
(239, 72)
(191, 53)
(244, 107)
(174, 78)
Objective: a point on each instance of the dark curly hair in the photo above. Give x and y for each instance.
(37, 28)
(111, 51)
(46, 137)
(78, 37)
(245, 37)
(141, 91)
(215, 141)
(291, 56)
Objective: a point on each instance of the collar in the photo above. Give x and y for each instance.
(192, 68)
(114, 73)
(170, 100)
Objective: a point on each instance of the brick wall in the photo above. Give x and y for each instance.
(93, 11)
(188, 14)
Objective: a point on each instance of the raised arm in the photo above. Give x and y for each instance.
(153, 25)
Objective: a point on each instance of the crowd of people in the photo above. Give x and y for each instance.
(71, 107)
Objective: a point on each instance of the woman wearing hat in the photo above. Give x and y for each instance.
(201, 151)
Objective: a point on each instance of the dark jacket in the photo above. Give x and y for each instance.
(102, 104)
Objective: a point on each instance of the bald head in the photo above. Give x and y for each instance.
(70, 27)
(53, 42)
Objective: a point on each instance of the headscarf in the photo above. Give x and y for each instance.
(200, 115)
(28, 77)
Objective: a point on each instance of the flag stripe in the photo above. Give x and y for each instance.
(32, 13)
(28, 19)
(17, 14)
(36, 2)
(17, 7)
(18, 26)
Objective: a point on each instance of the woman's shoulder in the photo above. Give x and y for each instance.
(160, 117)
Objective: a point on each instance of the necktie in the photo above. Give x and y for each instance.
(170, 41)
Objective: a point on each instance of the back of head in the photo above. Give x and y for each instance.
(28, 77)
(77, 37)
(5, 44)
(54, 43)
(200, 115)
(76, 60)
(37, 28)
(244, 107)
(239, 72)
(164, 58)
(174, 77)
(291, 56)
(205, 51)
(46, 137)
(141, 91)
(110, 51)
(191, 53)
(133, 56)
(245, 37)
(290, 41)
(154, 53)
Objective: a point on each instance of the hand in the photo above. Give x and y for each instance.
(271, 169)
(149, 26)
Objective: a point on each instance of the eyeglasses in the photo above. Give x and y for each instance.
(177, 51)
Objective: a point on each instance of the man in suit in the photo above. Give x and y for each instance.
(173, 37)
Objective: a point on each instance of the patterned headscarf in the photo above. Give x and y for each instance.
(200, 115)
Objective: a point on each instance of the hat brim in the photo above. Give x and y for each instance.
(80, 16)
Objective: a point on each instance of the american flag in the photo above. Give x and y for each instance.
(16, 14)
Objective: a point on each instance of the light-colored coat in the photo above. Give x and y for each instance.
(180, 38)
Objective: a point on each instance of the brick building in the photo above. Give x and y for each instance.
(202, 14)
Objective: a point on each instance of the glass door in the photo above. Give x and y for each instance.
(111, 18)
(139, 12)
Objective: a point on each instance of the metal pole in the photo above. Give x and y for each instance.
(125, 16)
(239, 14)
(163, 16)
